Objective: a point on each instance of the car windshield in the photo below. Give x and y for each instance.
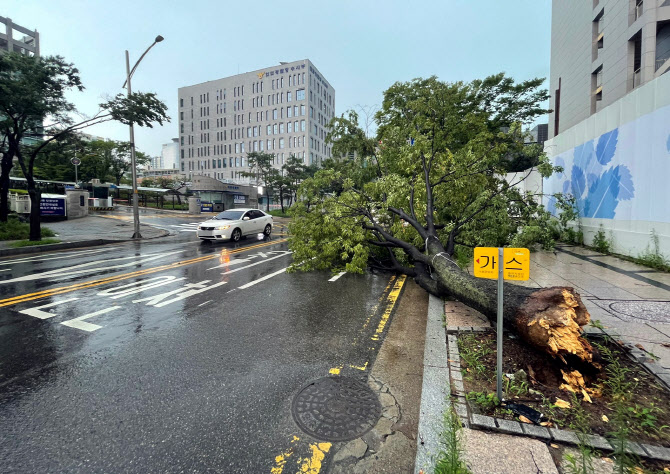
(230, 215)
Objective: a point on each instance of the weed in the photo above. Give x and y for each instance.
(597, 324)
(581, 421)
(515, 387)
(449, 460)
(32, 243)
(549, 410)
(473, 353)
(621, 390)
(653, 257)
(644, 420)
(485, 401)
(600, 241)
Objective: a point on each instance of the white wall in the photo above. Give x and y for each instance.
(617, 164)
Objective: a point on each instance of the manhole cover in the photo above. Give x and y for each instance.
(656, 311)
(336, 409)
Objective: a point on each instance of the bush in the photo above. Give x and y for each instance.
(32, 243)
(18, 191)
(653, 257)
(14, 229)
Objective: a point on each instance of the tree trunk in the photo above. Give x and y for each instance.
(35, 196)
(548, 318)
(281, 199)
(5, 168)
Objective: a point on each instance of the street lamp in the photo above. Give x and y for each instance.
(129, 75)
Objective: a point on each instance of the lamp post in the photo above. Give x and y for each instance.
(129, 75)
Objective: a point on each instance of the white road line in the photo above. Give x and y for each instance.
(5, 270)
(38, 313)
(79, 323)
(203, 304)
(266, 277)
(336, 277)
(42, 257)
(249, 266)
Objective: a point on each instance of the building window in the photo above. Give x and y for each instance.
(281, 143)
(302, 109)
(289, 111)
(288, 95)
(302, 125)
(300, 94)
(274, 114)
(281, 128)
(181, 102)
(274, 128)
(289, 127)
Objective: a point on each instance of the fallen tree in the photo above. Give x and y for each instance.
(434, 189)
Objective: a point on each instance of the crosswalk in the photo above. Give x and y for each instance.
(190, 227)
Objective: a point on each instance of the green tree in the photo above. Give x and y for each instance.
(262, 168)
(438, 186)
(33, 90)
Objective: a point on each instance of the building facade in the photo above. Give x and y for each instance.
(600, 51)
(170, 154)
(610, 126)
(18, 39)
(282, 110)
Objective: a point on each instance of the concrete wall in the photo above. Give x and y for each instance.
(73, 202)
(617, 165)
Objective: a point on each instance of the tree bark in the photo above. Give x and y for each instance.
(5, 168)
(548, 318)
(35, 196)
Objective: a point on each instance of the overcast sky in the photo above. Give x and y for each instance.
(361, 47)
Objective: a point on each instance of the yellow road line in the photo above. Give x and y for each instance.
(125, 276)
(280, 461)
(392, 298)
(312, 465)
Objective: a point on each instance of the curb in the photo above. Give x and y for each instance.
(434, 391)
(490, 423)
(71, 245)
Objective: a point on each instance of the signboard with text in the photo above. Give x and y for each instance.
(206, 206)
(516, 263)
(51, 206)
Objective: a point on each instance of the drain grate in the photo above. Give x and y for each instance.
(336, 409)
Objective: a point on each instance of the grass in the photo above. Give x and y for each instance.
(18, 191)
(278, 213)
(14, 229)
(32, 243)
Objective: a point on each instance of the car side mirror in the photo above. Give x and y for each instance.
(245, 218)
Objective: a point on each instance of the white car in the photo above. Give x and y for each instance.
(234, 223)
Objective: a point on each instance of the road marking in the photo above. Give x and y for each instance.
(86, 267)
(266, 277)
(280, 461)
(336, 277)
(253, 264)
(78, 286)
(41, 257)
(392, 298)
(5, 270)
(79, 323)
(335, 370)
(191, 289)
(203, 304)
(312, 465)
(38, 313)
(139, 286)
(362, 367)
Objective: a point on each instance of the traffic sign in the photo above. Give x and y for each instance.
(75, 161)
(516, 263)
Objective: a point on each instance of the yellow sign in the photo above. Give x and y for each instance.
(260, 75)
(516, 263)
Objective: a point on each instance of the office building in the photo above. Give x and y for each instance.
(18, 39)
(282, 110)
(610, 126)
(539, 133)
(170, 155)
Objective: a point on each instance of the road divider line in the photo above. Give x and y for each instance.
(254, 264)
(79, 286)
(392, 298)
(80, 323)
(336, 277)
(266, 277)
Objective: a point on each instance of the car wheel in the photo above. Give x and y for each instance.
(236, 235)
(268, 230)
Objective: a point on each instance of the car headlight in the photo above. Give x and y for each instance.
(223, 227)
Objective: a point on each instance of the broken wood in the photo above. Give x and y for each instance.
(551, 319)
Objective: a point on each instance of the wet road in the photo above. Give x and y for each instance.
(171, 356)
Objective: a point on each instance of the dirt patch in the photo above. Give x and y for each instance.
(543, 386)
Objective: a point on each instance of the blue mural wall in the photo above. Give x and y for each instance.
(624, 174)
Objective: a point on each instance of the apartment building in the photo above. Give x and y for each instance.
(18, 39)
(600, 51)
(283, 110)
(610, 126)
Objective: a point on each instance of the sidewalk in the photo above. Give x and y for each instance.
(629, 300)
(86, 231)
